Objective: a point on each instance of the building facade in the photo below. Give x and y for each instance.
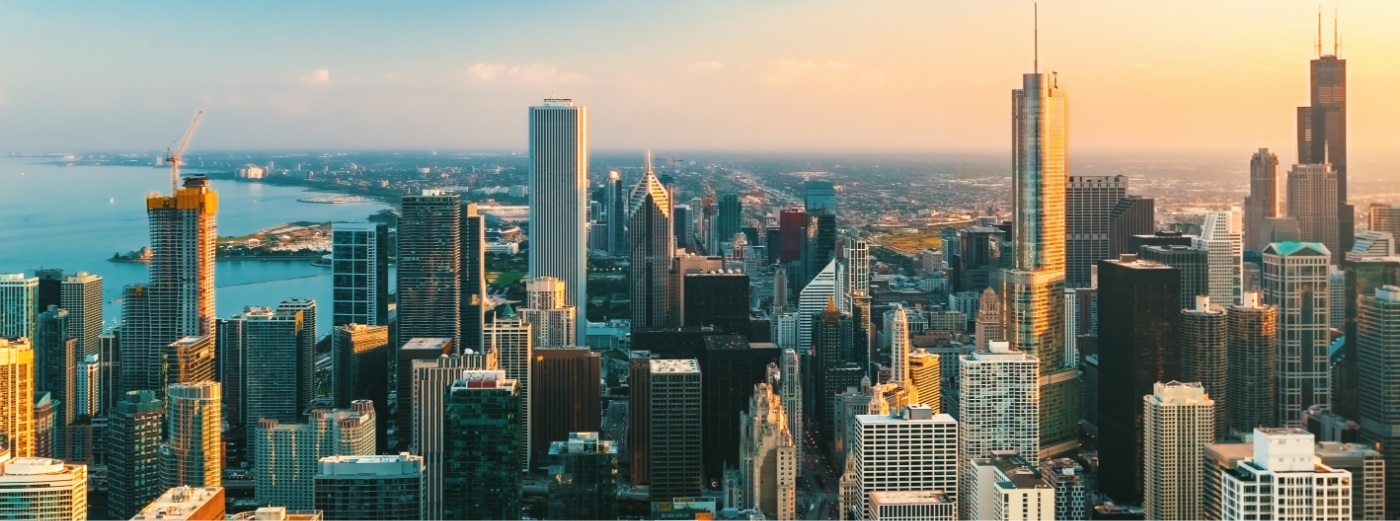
(1179, 422)
(1295, 281)
(359, 274)
(370, 487)
(429, 267)
(583, 472)
(998, 394)
(481, 472)
(559, 200)
(286, 455)
(674, 437)
(193, 453)
(133, 453)
(1088, 202)
(909, 450)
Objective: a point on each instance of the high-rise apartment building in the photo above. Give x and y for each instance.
(649, 235)
(998, 395)
(1252, 365)
(286, 455)
(1265, 200)
(430, 381)
(1367, 468)
(429, 267)
(1312, 200)
(1131, 215)
(1179, 420)
(1138, 346)
(768, 456)
(925, 373)
(1284, 480)
(278, 350)
(567, 395)
(1378, 331)
(912, 449)
(1295, 280)
(133, 452)
(583, 477)
(674, 444)
(1368, 267)
(428, 349)
(81, 295)
(19, 303)
(473, 305)
(481, 475)
(510, 338)
(370, 487)
(359, 274)
(193, 453)
(1322, 129)
(899, 344)
(1205, 341)
(17, 396)
(1005, 486)
(42, 488)
(1033, 288)
(559, 200)
(187, 360)
(1089, 200)
(1221, 238)
(360, 371)
(552, 322)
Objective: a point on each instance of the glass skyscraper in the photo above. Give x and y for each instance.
(559, 200)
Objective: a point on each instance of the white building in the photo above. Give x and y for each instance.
(897, 324)
(912, 450)
(552, 321)
(768, 456)
(42, 488)
(812, 300)
(1004, 487)
(911, 505)
(558, 192)
(89, 385)
(785, 326)
(1222, 238)
(790, 387)
(1285, 480)
(1179, 420)
(999, 406)
(286, 455)
(1296, 281)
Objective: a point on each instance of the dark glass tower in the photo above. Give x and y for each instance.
(133, 447)
(430, 249)
(473, 277)
(481, 455)
(731, 216)
(1322, 128)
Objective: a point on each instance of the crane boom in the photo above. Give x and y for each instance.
(178, 155)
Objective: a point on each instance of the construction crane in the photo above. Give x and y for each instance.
(174, 158)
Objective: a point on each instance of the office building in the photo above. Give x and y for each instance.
(1089, 200)
(1384, 218)
(912, 449)
(649, 235)
(1222, 241)
(639, 421)
(278, 366)
(1378, 328)
(1205, 341)
(731, 216)
(473, 304)
(998, 393)
(1066, 477)
(812, 300)
(1322, 128)
(133, 452)
(1005, 486)
(1363, 273)
(819, 195)
(1265, 200)
(193, 453)
(45, 424)
(790, 388)
(184, 504)
(430, 380)
(360, 371)
(81, 295)
(820, 243)
(551, 321)
(56, 356)
(1131, 215)
(287, 454)
(1295, 281)
(1179, 420)
(567, 396)
(768, 457)
(830, 356)
(1367, 468)
(19, 303)
(1138, 346)
(481, 472)
(989, 326)
(674, 437)
(359, 274)
(716, 298)
(616, 213)
(1312, 200)
(17, 396)
(429, 349)
(583, 477)
(683, 224)
(559, 199)
(42, 488)
(1252, 365)
(1190, 263)
(1284, 480)
(925, 375)
(370, 487)
(792, 229)
(429, 267)
(509, 338)
(918, 505)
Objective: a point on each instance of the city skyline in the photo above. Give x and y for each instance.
(771, 83)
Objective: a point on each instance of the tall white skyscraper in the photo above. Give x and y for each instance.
(1285, 480)
(19, 304)
(899, 345)
(1179, 420)
(909, 450)
(1295, 281)
(999, 396)
(81, 295)
(559, 200)
(551, 320)
(857, 282)
(790, 387)
(1222, 238)
(812, 300)
(509, 338)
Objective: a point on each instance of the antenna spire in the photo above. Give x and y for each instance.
(648, 161)
(1036, 16)
(1336, 40)
(1319, 31)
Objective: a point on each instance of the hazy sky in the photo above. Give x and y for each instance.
(926, 75)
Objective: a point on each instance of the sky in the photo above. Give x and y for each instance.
(777, 75)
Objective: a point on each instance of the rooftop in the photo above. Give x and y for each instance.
(438, 344)
(180, 503)
(675, 366)
(908, 497)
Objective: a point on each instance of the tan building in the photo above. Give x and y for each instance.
(17, 395)
(186, 504)
(768, 456)
(193, 453)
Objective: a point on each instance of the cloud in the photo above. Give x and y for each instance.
(485, 71)
(532, 74)
(316, 78)
(706, 67)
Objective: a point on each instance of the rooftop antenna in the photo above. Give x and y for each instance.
(1319, 31)
(1336, 39)
(648, 171)
(1036, 16)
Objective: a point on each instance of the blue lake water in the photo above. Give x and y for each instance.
(76, 217)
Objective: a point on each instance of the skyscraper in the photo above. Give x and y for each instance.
(1379, 381)
(509, 337)
(1221, 240)
(768, 456)
(81, 295)
(19, 303)
(617, 215)
(819, 195)
(1322, 128)
(559, 200)
(56, 357)
(1385, 218)
(1205, 341)
(1138, 346)
(790, 387)
(567, 395)
(820, 243)
(473, 276)
(1283, 469)
(925, 373)
(731, 216)
(652, 246)
(899, 345)
(1132, 215)
(989, 319)
(360, 371)
(133, 450)
(193, 453)
(370, 487)
(1034, 286)
(43, 488)
(1180, 421)
(429, 268)
(287, 454)
(552, 322)
(792, 229)
(1295, 280)
(674, 444)
(912, 449)
(359, 274)
(17, 396)
(278, 351)
(583, 477)
(1364, 272)
(431, 380)
(1192, 264)
(1252, 365)
(481, 475)
(1312, 200)
(1265, 200)
(716, 298)
(1089, 200)
(812, 299)
(999, 394)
